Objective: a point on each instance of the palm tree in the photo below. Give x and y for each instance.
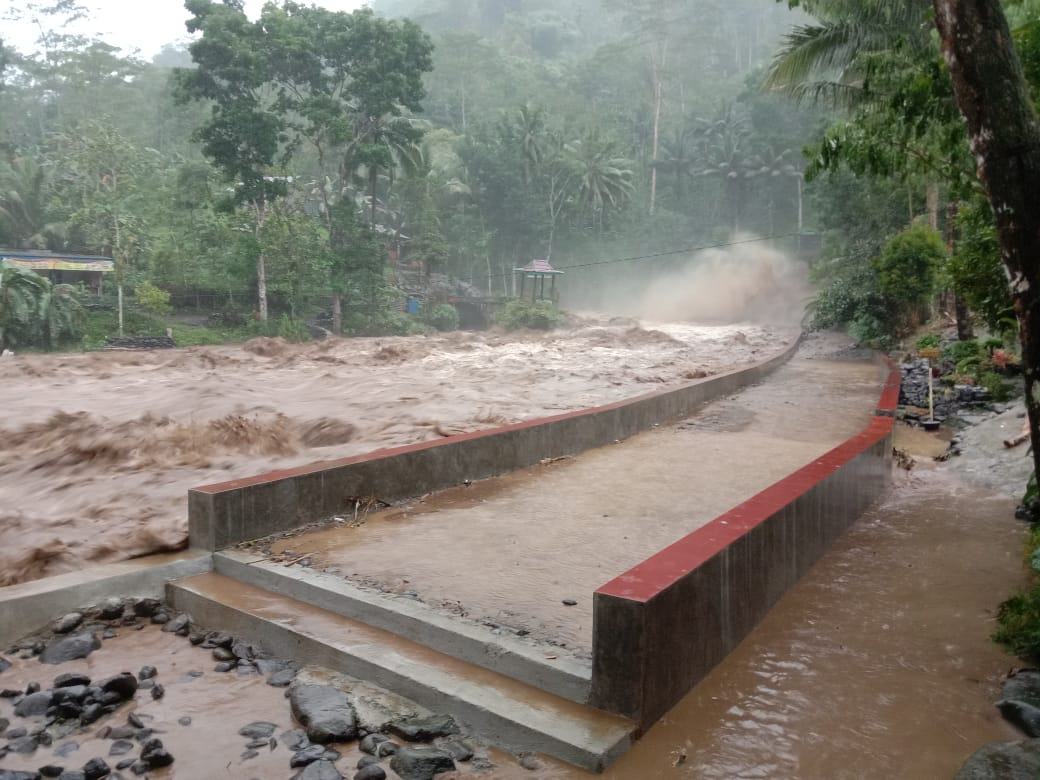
(525, 127)
(829, 59)
(33, 311)
(725, 157)
(602, 177)
(24, 193)
(773, 166)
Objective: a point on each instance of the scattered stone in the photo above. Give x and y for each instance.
(370, 742)
(91, 713)
(66, 750)
(1023, 716)
(135, 720)
(126, 763)
(181, 624)
(9, 693)
(308, 755)
(223, 654)
(10, 774)
(139, 767)
(108, 633)
(248, 754)
(123, 685)
(155, 755)
(224, 666)
(570, 603)
(70, 679)
(158, 691)
(33, 687)
(1003, 761)
(424, 729)
(319, 770)
(184, 720)
(121, 747)
(457, 749)
(111, 608)
(96, 768)
(34, 704)
(147, 673)
(256, 743)
(325, 712)
(197, 638)
(1023, 686)
(421, 762)
(161, 618)
(15, 733)
(146, 607)
(295, 739)
(257, 729)
(366, 760)
(282, 679)
(67, 623)
(50, 770)
(529, 762)
(70, 648)
(24, 744)
(4, 664)
(243, 650)
(371, 772)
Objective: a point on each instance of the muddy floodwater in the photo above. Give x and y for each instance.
(98, 450)
(513, 551)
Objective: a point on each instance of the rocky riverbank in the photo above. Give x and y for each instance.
(203, 703)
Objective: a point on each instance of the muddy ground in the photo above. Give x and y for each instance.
(98, 450)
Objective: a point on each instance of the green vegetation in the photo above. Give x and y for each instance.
(534, 315)
(442, 316)
(1018, 619)
(34, 313)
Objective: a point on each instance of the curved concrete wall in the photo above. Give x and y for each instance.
(660, 627)
(225, 514)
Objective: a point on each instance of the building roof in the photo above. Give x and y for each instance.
(538, 267)
(54, 261)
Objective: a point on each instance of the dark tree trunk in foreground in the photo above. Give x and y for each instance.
(992, 95)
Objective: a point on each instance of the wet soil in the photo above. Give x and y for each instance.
(513, 551)
(100, 449)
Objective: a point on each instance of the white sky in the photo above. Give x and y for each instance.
(144, 25)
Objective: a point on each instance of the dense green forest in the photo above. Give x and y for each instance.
(317, 165)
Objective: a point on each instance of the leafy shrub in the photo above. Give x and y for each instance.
(998, 389)
(536, 315)
(1018, 624)
(958, 351)
(152, 299)
(907, 269)
(442, 316)
(976, 271)
(928, 341)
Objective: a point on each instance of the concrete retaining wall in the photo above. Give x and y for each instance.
(225, 514)
(660, 627)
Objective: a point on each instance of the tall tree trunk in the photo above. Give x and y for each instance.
(260, 207)
(658, 102)
(1004, 132)
(932, 200)
(337, 314)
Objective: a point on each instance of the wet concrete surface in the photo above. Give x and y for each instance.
(512, 550)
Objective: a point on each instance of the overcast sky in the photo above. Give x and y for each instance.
(137, 24)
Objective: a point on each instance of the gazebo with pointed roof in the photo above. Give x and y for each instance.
(538, 271)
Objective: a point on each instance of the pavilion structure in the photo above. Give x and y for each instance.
(538, 271)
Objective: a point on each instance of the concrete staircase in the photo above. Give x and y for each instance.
(312, 620)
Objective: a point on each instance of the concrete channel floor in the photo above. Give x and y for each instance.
(510, 551)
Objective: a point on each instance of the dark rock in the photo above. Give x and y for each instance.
(1003, 761)
(160, 618)
(197, 638)
(529, 762)
(67, 623)
(122, 732)
(308, 755)
(248, 754)
(133, 719)
(457, 749)
(282, 679)
(246, 668)
(70, 679)
(70, 648)
(69, 710)
(257, 743)
(155, 755)
(4, 664)
(111, 609)
(91, 713)
(421, 762)
(319, 770)
(72, 774)
(223, 654)
(570, 603)
(121, 747)
(139, 767)
(243, 650)
(108, 633)
(72, 693)
(15, 733)
(424, 729)
(181, 624)
(370, 772)
(158, 691)
(370, 742)
(269, 666)
(33, 687)
(9, 693)
(184, 720)
(219, 639)
(126, 763)
(143, 735)
(10, 774)
(224, 666)
(34, 704)
(366, 760)
(1023, 686)
(96, 768)
(1024, 716)
(258, 729)
(43, 738)
(24, 744)
(147, 607)
(147, 673)
(123, 685)
(325, 712)
(50, 770)
(4, 724)
(295, 739)
(66, 750)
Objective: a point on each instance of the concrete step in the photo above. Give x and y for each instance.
(506, 654)
(503, 711)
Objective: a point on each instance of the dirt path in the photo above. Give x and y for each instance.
(99, 449)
